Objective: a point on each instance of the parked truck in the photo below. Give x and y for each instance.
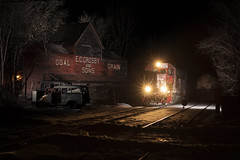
(64, 94)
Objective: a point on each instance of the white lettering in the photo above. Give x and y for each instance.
(87, 70)
(88, 65)
(60, 62)
(76, 59)
(87, 60)
(114, 66)
(57, 62)
(80, 59)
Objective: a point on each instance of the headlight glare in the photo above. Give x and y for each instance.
(163, 89)
(148, 89)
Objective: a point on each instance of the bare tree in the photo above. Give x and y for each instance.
(223, 47)
(47, 19)
(121, 21)
(22, 22)
(85, 18)
(115, 29)
(98, 22)
(5, 32)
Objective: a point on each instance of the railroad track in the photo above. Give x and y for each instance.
(144, 156)
(191, 120)
(111, 116)
(188, 122)
(134, 114)
(80, 119)
(179, 115)
(22, 137)
(25, 136)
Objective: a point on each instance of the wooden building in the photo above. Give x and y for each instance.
(77, 56)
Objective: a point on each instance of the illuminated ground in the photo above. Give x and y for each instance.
(68, 136)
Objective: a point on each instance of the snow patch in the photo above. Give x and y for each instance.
(123, 105)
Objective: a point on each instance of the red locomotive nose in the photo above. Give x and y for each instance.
(167, 83)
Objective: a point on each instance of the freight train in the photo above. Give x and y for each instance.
(163, 84)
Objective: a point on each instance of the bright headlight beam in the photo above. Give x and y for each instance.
(148, 89)
(163, 89)
(158, 64)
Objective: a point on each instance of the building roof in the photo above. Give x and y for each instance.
(69, 34)
(57, 49)
(111, 55)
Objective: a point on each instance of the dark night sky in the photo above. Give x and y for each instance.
(176, 25)
(155, 15)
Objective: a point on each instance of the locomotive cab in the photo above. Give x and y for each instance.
(162, 84)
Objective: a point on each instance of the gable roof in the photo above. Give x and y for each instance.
(69, 34)
(110, 55)
(95, 33)
(57, 49)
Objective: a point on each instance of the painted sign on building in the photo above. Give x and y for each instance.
(86, 65)
(89, 63)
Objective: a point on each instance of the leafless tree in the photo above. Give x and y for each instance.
(121, 21)
(5, 32)
(223, 46)
(98, 22)
(115, 29)
(47, 19)
(22, 22)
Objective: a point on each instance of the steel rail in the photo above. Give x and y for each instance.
(135, 114)
(22, 130)
(102, 116)
(144, 156)
(33, 130)
(58, 129)
(198, 114)
(25, 141)
(166, 117)
(113, 116)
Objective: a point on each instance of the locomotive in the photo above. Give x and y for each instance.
(163, 84)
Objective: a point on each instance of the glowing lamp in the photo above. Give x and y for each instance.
(18, 77)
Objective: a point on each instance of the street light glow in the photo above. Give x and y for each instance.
(18, 77)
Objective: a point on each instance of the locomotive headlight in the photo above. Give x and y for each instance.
(163, 89)
(148, 89)
(158, 64)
